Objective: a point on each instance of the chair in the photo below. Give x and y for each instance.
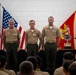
(43, 57)
(2, 52)
(22, 55)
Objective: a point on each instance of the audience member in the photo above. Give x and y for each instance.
(66, 56)
(65, 65)
(72, 68)
(3, 73)
(26, 68)
(35, 63)
(33, 60)
(39, 65)
(3, 64)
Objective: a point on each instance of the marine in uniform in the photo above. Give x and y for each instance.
(49, 34)
(11, 39)
(32, 36)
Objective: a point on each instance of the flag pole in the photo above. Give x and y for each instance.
(0, 25)
(75, 31)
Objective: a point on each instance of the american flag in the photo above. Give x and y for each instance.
(6, 17)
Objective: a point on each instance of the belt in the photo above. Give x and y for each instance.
(11, 41)
(32, 44)
(50, 42)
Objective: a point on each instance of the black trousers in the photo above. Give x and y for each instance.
(50, 51)
(32, 49)
(11, 54)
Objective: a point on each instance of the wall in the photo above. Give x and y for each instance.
(39, 10)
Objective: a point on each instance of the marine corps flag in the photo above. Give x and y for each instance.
(69, 24)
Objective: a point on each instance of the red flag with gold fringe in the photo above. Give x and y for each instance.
(71, 24)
